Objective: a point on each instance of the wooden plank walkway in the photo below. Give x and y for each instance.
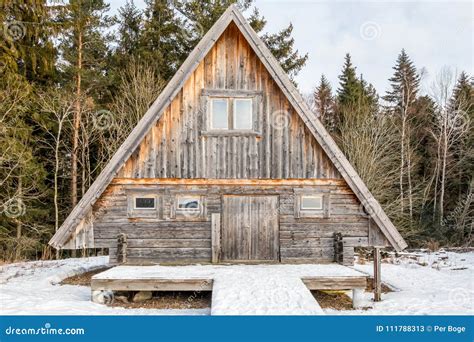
(239, 289)
(259, 294)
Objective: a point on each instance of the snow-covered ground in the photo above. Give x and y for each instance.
(31, 288)
(440, 283)
(424, 283)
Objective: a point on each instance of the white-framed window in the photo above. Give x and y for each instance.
(311, 202)
(219, 113)
(231, 114)
(242, 115)
(144, 203)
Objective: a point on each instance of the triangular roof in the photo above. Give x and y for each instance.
(232, 14)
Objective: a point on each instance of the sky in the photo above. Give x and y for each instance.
(435, 34)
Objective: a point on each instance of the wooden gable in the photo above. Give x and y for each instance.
(178, 145)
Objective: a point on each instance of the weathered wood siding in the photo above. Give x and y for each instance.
(176, 148)
(169, 240)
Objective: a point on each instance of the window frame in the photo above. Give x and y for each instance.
(144, 208)
(179, 197)
(185, 214)
(207, 97)
(136, 212)
(301, 212)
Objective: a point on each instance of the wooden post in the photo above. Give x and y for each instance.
(377, 275)
(216, 237)
(122, 248)
(338, 248)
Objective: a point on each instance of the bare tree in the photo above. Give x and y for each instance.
(59, 107)
(138, 89)
(450, 126)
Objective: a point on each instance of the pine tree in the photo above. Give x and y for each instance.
(324, 103)
(130, 26)
(84, 47)
(405, 84)
(281, 44)
(201, 15)
(26, 47)
(462, 107)
(350, 89)
(402, 100)
(160, 40)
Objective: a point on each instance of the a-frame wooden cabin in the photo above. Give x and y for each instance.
(228, 165)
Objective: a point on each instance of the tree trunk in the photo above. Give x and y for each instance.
(19, 225)
(76, 124)
(402, 163)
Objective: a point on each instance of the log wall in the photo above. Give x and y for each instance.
(169, 240)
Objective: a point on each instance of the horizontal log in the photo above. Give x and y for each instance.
(230, 181)
(153, 284)
(335, 283)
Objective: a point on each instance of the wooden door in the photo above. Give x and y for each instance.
(250, 229)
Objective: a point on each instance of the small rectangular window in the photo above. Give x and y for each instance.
(189, 203)
(243, 114)
(145, 203)
(313, 202)
(219, 114)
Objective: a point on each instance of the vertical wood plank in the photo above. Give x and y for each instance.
(216, 236)
(377, 275)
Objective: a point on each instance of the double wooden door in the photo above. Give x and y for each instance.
(250, 229)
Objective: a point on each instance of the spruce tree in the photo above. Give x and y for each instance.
(350, 88)
(130, 26)
(402, 99)
(405, 84)
(281, 44)
(200, 15)
(160, 40)
(84, 48)
(324, 103)
(26, 44)
(462, 108)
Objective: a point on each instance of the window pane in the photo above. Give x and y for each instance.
(144, 203)
(188, 203)
(243, 114)
(219, 114)
(311, 202)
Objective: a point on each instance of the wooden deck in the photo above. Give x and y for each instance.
(239, 289)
